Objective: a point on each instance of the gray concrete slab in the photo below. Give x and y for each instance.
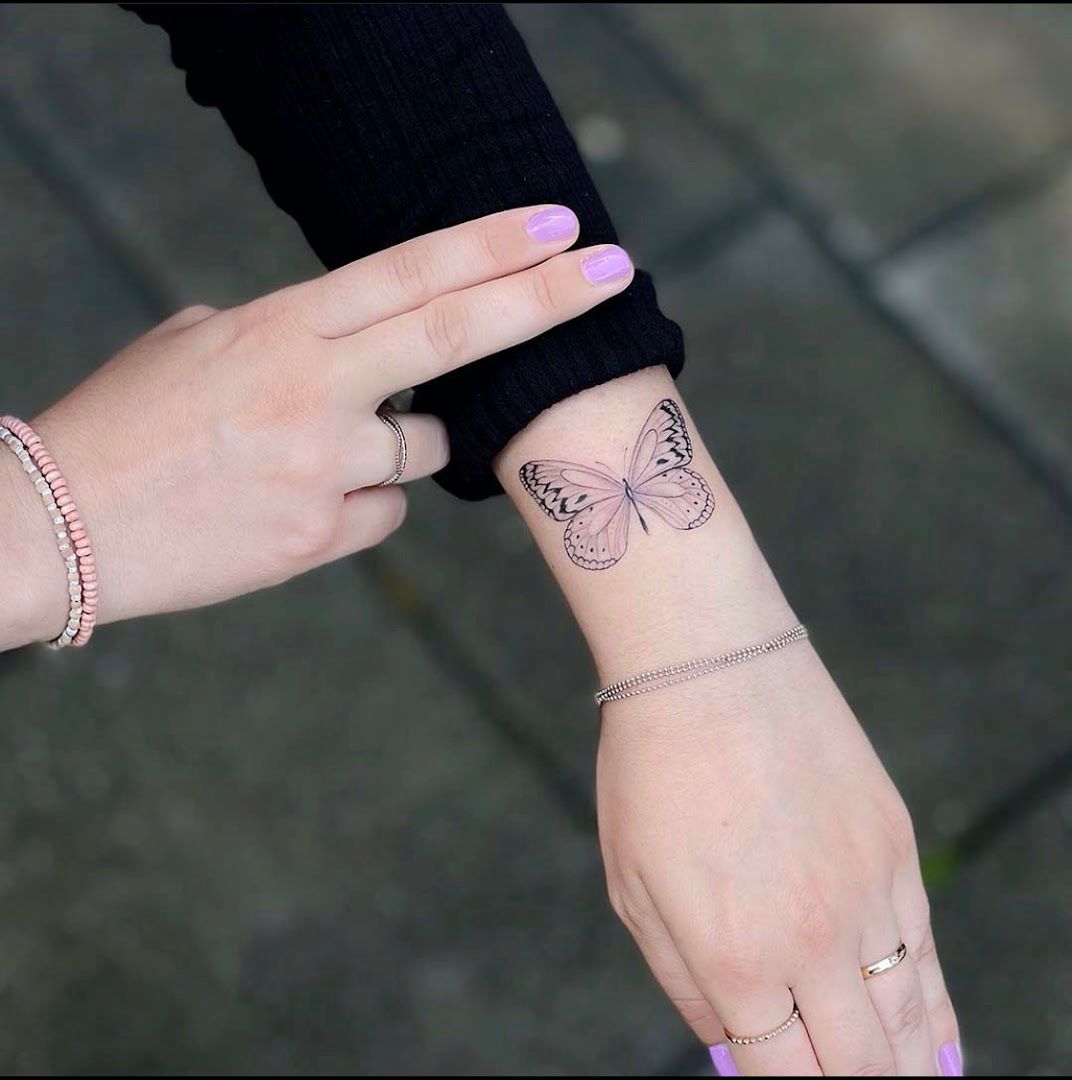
(882, 113)
(1004, 935)
(508, 616)
(99, 86)
(65, 307)
(660, 174)
(993, 303)
(935, 575)
(271, 837)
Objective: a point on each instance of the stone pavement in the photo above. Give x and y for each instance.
(336, 827)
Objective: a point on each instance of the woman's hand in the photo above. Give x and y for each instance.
(753, 843)
(227, 451)
(760, 855)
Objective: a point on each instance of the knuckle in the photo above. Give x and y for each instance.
(225, 331)
(289, 399)
(543, 293)
(630, 913)
(409, 271)
(926, 952)
(196, 313)
(909, 1019)
(621, 906)
(873, 1067)
(492, 245)
(918, 925)
(268, 325)
(901, 830)
(307, 466)
(695, 1011)
(266, 310)
(185, 319)
(944, 1020)
(817, 924)
(447, 331)
(308, 537)
(391, 508)
(733, 956)
(736, 965)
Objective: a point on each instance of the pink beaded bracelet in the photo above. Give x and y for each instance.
(72, 539)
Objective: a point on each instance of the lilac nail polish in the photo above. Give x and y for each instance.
(554, 223)
(722, 1060)
(610, 264)
(949, 1060)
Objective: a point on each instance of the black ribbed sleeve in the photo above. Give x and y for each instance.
(375, 123)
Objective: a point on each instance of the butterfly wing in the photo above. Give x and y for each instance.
(597, 506)
(680, 497)
(597, 536)
(563, 489)
(664, 444)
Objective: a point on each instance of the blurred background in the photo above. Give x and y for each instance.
(346, 825)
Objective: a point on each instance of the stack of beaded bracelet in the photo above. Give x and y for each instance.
(71, 536)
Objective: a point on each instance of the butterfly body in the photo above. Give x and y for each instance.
(632, 500)
(596, 505)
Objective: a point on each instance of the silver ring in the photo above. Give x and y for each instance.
(887, 963)
(400, 450)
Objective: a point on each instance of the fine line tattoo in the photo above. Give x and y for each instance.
(598, 505)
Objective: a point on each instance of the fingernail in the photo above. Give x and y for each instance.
(554, 223)
(610, 264)
(949, 1060)
(722, 1060)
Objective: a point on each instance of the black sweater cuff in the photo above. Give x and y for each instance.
(485, 406)
(375, 123)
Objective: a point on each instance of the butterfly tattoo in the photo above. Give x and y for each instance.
(598, 505)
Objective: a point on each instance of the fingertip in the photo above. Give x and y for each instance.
(552, 224)
(608, 266)
(951, 1060)
(723, 1061)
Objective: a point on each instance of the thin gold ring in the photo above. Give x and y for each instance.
(400, 451)
(887, 963)
(751, 1040)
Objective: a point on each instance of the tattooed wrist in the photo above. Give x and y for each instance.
(597, 503)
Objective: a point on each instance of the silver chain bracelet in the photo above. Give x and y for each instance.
(660, 678)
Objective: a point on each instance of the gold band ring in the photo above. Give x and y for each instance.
(400, 451)
(887, 963)
(751, 1040)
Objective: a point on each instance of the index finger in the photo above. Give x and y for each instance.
(465, 326)
(409, 275)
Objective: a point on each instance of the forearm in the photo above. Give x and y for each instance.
(674, 594)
